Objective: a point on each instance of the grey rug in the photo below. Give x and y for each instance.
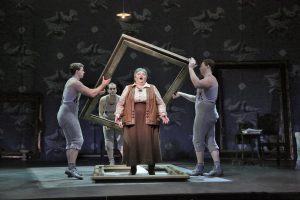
(54, 177)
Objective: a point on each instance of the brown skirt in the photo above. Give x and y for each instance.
(141, 141)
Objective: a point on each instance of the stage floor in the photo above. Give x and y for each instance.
(25, 181)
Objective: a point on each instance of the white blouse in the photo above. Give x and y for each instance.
(140, 95)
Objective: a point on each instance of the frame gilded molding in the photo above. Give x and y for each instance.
(119, 173)
(123, 44)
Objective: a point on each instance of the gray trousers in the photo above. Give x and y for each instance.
(67, 118)
(204, 126)
(109, 137)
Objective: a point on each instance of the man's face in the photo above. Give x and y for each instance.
(203, 68)
(112, 90)
(80, 72)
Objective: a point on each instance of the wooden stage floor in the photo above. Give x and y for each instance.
(47, 181)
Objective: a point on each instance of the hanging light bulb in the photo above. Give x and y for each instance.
(123, 14)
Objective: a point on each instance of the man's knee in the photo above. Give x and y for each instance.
(213, 147)
(80, 141)
(77, 144)
(199, 146)
(109, 146)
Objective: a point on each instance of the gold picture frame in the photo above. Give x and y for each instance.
(120, 173)
(124, 43)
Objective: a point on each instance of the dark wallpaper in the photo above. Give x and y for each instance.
(40, 38)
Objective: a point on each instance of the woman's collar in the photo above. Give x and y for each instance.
(146, 85)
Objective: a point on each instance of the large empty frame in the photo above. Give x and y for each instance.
(141, 46)
(119, 173)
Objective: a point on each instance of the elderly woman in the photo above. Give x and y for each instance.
(67, 115)
(139, 111)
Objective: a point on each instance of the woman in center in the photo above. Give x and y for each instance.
(138, 112)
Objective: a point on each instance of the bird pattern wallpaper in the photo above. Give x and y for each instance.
(40, 38)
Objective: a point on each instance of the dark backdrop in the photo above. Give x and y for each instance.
(40, 38)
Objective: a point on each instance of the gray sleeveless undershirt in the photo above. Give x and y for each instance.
(67, 116)
(208, 95)
(205, 119)
(109, 109)
(70, 94)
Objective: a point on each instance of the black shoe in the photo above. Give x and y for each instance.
(216, 171)
(73, 173)
(198, 171)
(132, 170)
(151, 169)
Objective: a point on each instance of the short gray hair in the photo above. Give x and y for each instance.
(140, 69)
